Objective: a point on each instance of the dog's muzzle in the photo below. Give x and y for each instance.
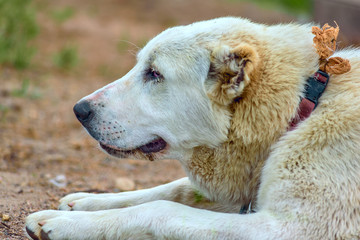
(107, 136)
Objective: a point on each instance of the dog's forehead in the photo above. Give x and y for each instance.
(190, 37)
(167, 43)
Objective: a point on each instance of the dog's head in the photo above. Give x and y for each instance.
(175, 98)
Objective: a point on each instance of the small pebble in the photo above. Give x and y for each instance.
(59, 181)
(124, 184)
(5, 217)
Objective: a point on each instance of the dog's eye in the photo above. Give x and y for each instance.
(153, 75)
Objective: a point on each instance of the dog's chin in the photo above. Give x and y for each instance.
(146, 151)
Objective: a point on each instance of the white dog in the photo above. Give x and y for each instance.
(219, 96)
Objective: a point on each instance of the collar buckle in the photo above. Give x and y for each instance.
(315, 86)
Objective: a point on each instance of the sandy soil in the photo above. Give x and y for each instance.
(40, 139)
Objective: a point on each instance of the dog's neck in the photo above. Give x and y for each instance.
(231, 173)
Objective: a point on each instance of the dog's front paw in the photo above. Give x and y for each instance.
(95, 202)
(57, 225)
(72, 202)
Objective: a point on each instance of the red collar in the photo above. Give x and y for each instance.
(314, 88)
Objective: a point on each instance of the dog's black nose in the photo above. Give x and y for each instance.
(83, 111)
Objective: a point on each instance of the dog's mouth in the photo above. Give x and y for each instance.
(152, 147)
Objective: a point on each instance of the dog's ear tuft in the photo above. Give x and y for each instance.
(230, 72)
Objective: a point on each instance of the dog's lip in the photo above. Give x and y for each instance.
(111, 149)
(153, 146)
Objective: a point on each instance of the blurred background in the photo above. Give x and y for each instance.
(52, 53)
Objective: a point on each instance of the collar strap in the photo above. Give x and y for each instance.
(314, 88)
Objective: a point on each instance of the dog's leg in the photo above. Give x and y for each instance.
(155, 220)
(177, 191)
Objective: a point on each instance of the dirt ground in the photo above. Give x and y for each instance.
(44, 152)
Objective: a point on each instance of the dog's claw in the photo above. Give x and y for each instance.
(44, 235)
(31, 234)
(41, 223)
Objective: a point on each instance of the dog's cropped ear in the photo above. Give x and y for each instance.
(230, 72)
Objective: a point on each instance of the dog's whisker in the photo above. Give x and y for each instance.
(132, 52)
(131, 43)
